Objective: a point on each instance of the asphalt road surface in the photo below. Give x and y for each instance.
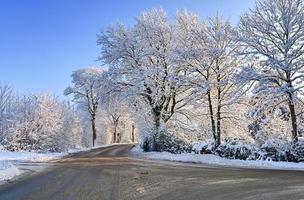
(111, 173)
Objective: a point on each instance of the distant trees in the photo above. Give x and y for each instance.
(116, 120)
(116, 109)
(86, 91)
(273, 33)
(40, 123)
(6, 108)
(102, 110)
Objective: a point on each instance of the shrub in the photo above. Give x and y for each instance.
(276, 150)
(235, 150)
(297, 152)
(172, 142)
(203, 148)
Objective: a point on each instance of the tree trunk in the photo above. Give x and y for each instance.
(212, 117)
(293, 119)
(94, 130)
(219, 106)
(292, 111)
(218, 114)
(115, 135)
(133, 133)
(115, 119)
(218, 126)
(115, 131)
(156, 130)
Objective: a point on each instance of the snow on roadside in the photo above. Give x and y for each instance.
(216, 160)
(9, 162)
(8, 170)
(40, 157)
(29, 156)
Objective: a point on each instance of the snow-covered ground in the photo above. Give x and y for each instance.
(29, 156)
(8, 170)
(216, 160)
(9, 161)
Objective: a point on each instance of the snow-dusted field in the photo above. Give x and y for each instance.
(216, 160)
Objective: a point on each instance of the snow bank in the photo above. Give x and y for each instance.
(216, 160)
(40, 157)
(8, 171)
(29, 156)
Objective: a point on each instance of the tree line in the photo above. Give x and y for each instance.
(38, 122)
(176, 71)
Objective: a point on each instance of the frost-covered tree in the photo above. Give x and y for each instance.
(37, 124)
(266, 122)
(273, 33)
(86, 92)
(116, 120)
(115, 112)
(6, 108)
(22, 111)
(208, 51)
(72, 131)
(142, 65)
(43, 123)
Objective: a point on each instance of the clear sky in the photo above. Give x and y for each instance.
(43, 41)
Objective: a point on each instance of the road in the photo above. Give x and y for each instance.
(111, 173)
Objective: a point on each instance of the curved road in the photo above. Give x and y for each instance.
(111, 173)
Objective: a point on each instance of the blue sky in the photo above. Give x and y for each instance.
(43, 41)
